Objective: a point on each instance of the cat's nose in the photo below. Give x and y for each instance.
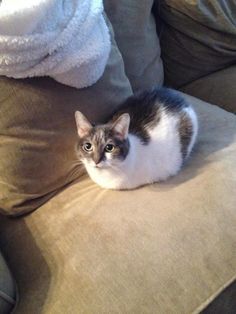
(97, 160)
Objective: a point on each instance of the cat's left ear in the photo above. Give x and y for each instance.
(82, 123)
(121, 126)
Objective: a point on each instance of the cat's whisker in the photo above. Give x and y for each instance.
(75, 163)
(73, 174)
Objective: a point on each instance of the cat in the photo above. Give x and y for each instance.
(146, 140)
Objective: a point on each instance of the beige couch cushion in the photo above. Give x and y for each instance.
(164, 248)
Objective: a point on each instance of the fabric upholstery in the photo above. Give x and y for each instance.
(7, 288)
(137, 40)
(216, 88)
(163, 248)
(197, 38)
(38, 132)
(225, 302)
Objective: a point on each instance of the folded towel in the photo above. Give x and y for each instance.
(64, 39)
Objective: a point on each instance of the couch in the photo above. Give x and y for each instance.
(69, 246)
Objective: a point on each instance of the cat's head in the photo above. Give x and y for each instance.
(102, 146)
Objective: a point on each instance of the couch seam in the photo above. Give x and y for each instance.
(207, 302)
(7, 298)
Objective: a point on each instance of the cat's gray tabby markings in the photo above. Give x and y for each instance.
(145, 112)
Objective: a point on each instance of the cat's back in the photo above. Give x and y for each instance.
(146, 103)
(164, 114)
(148, 108)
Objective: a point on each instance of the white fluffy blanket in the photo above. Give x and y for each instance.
(64, 39)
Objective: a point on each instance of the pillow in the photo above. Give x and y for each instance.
(38, 132)
(217, 88)
(197, 38)
(135, 33)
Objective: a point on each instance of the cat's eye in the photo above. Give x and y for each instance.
(109, 148)
(87, 147)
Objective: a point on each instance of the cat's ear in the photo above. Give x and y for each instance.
(82, 123)
(121, 126)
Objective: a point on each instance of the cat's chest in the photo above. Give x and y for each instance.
(108, 178)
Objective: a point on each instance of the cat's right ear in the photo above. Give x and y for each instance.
(82, 123)
(121, 126)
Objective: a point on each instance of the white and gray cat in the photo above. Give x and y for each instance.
(145, 141)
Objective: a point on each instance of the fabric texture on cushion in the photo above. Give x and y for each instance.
(197, 38)
(7, 288)
(163, 248)
(216, 88)
(38, 132)
(136, 36)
